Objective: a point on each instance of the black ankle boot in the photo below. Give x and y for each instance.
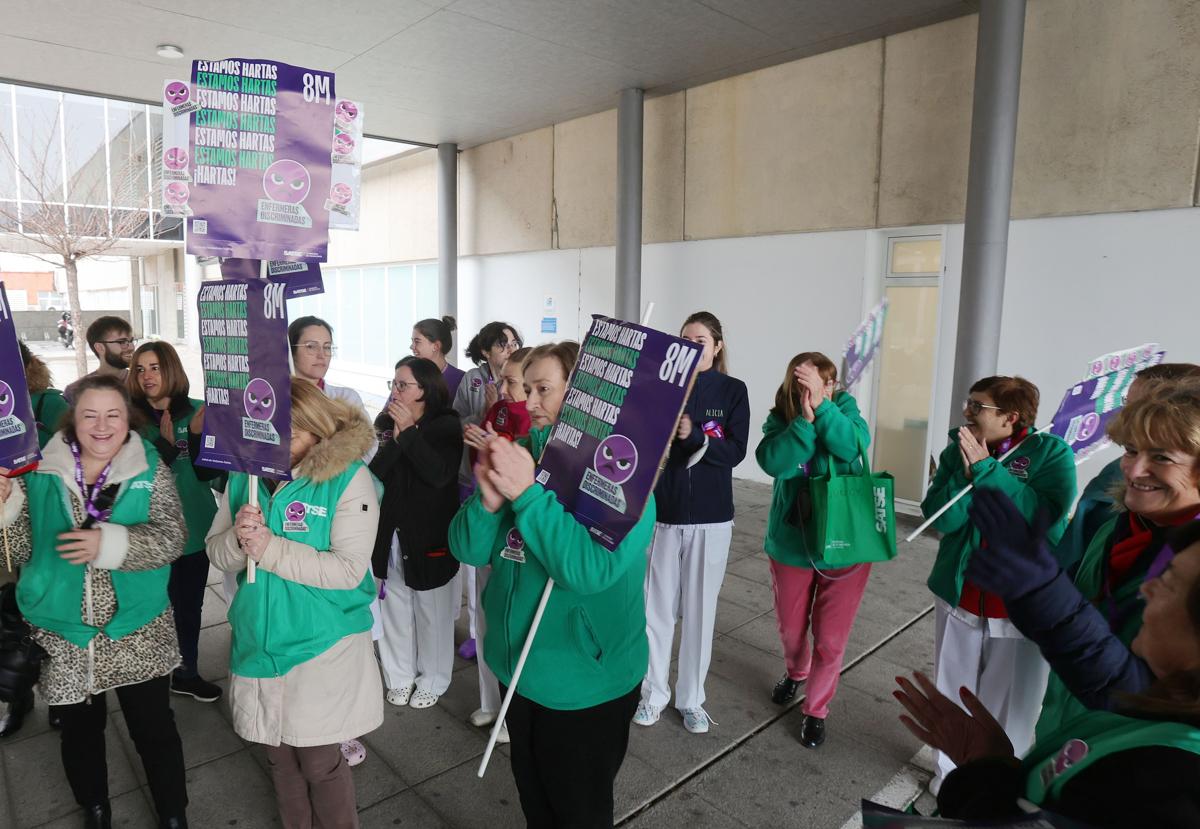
(812, 732)
(97, 817)
(785, 690)
(14, 718)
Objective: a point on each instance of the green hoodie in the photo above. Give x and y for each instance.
(591, 645)
(1041, 472)
(199, 503)
(791, 453)
(48, 408)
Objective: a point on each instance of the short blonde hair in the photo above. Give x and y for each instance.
(313, 411)
(1165, 416)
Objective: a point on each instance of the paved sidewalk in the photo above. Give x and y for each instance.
(747, 771)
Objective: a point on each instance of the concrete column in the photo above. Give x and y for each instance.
(192, 278)
(629, 205)
(448, 235)
(989, 191)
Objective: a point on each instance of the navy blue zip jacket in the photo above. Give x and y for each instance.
(696, 487)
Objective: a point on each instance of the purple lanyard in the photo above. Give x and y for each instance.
(90, 496)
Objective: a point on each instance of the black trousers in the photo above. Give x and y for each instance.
(186, 588)
(151, 722)
(565, 762)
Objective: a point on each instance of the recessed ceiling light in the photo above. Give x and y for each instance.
(167, 50)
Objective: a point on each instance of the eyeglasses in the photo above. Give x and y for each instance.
(314, 348)
(401, 386)
(509, 345)
(124, 342)
(975, 407)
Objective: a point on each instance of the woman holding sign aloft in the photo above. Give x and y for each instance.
(569, 718)
(303, 670)
(811, 428)
(976, 646)
(95, 528)
(695, 526)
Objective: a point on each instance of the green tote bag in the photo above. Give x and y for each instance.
(854, 516)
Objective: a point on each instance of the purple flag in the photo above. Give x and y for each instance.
(619, 415)
(247, 382)
(18, 438)
(261, 154)
(298, 278)
(1083, 416)
(863, 345)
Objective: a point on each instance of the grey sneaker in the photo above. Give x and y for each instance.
(646, 714)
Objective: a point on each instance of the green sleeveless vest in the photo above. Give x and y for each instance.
(278, 624)
(1069, 750)
(51, 589)
(199, 503)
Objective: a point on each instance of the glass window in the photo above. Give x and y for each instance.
(128, 154)
(401, 311)
(427, 291)
(40, 151)
(83, 137)
(911, 257)
(373, 321)
(8, 144)
(348, 325)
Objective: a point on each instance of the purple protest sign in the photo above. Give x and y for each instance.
(247, 383)
(1083, 416)
(863, 345)
(18, 442)
(260, 145)
(619, 415)
(298, 278)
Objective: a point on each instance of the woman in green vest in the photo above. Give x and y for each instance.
(94, 529)
(975, 644)
(570, 716)
(810, 428)
(48, 403)
(159, 388)
(1138, 767)
(304, 674)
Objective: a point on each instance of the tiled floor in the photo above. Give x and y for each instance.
(421, 768)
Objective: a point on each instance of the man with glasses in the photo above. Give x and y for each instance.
(111, 340)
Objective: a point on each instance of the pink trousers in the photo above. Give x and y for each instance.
(824, 602)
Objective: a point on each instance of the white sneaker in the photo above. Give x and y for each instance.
(503, 737)
(480, 718)
(423, 699)
(696, 720)
(646, 713)
(399, 696)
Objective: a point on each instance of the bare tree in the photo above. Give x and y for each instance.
(64, 234)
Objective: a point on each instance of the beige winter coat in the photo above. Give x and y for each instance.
(337, 695)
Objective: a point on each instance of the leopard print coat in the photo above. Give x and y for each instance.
(71, 673)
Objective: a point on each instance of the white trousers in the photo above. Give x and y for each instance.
(417, 645)
(997, 664)
(687, 566)
(489, 686)
(474, 589)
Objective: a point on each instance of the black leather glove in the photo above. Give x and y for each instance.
(1016, 559)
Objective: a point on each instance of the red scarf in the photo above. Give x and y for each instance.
(974, 600)
(1126, 552)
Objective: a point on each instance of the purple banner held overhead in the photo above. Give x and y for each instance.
(18, 437)
(247, 382)
(863, 345)
(298, 278)
(260, 160)
(619, 415)
(1083, 416)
